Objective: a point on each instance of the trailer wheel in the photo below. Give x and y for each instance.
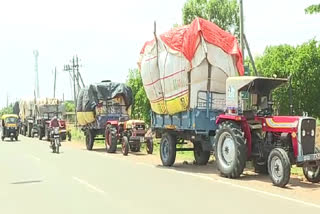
(110, 141)
(201, 157)
(279, 167)
(149, 147)
(168, 149)
(312, 173)
(125, 145)
(89, 139)
(230, 150)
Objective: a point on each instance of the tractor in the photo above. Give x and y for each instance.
(249, 130)
(130, 134)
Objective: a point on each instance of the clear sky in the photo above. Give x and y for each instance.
(108, 36)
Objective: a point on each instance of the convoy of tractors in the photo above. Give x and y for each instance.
(194, 79)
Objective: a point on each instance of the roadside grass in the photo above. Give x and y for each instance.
(296, 171)
(77, 134)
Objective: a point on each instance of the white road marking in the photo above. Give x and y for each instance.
(247, 188)
(89, 185)
(34, 157)
(271, 194)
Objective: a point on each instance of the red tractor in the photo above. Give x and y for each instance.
(250, 131)
(130, 134)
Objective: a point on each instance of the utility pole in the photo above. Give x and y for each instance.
(55, 82)
(241, 30)
(75, 78)
(78, 74)
(36, 55)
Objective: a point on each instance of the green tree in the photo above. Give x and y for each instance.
(6, 110)
(141, 105)
(315, 8)
(224, 13)
(303, 64)
(69, 106)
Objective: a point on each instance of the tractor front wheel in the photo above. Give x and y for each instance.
(312, 173)
(279, 167)
(125, 145)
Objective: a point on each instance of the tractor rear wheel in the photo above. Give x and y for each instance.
(168, 149)
(201, 157)
(230, 149)
(29, 130)
(312, 173)
(110, 141)
(279, 167)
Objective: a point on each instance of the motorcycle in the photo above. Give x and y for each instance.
(55, 140)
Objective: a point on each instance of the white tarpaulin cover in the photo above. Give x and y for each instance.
(174, 68)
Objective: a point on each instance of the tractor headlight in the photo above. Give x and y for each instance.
(303, 133)
(312, 132)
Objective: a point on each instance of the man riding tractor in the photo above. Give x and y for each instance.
(251, 132)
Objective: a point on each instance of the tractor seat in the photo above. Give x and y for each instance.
(250, 116)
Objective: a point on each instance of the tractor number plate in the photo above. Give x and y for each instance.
(141, 139)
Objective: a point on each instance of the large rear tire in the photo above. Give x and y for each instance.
(201, 157)
(230, 149)
(29, 130)
(279, 167)
(40, 135)
(89, 139)
(110, 141)
(149, 147)
(312, 173)
(168, 149)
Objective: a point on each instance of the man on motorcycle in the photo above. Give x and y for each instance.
(54, 123)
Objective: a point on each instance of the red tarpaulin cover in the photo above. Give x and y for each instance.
(186, 39)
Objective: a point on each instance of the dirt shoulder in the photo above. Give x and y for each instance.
(298, 188)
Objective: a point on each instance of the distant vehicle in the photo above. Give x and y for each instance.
(36, 114)
(130, 134)
(100, 103)
(10, 129)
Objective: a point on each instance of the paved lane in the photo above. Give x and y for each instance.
(33, 180)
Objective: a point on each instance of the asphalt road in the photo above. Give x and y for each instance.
(34, 180)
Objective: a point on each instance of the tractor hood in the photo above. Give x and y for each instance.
(282, 121)
(252, 84)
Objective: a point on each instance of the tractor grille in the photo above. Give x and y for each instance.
(308, 141)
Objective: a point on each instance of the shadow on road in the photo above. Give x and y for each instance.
(247, 176)
(27, 182)
(103, 150)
